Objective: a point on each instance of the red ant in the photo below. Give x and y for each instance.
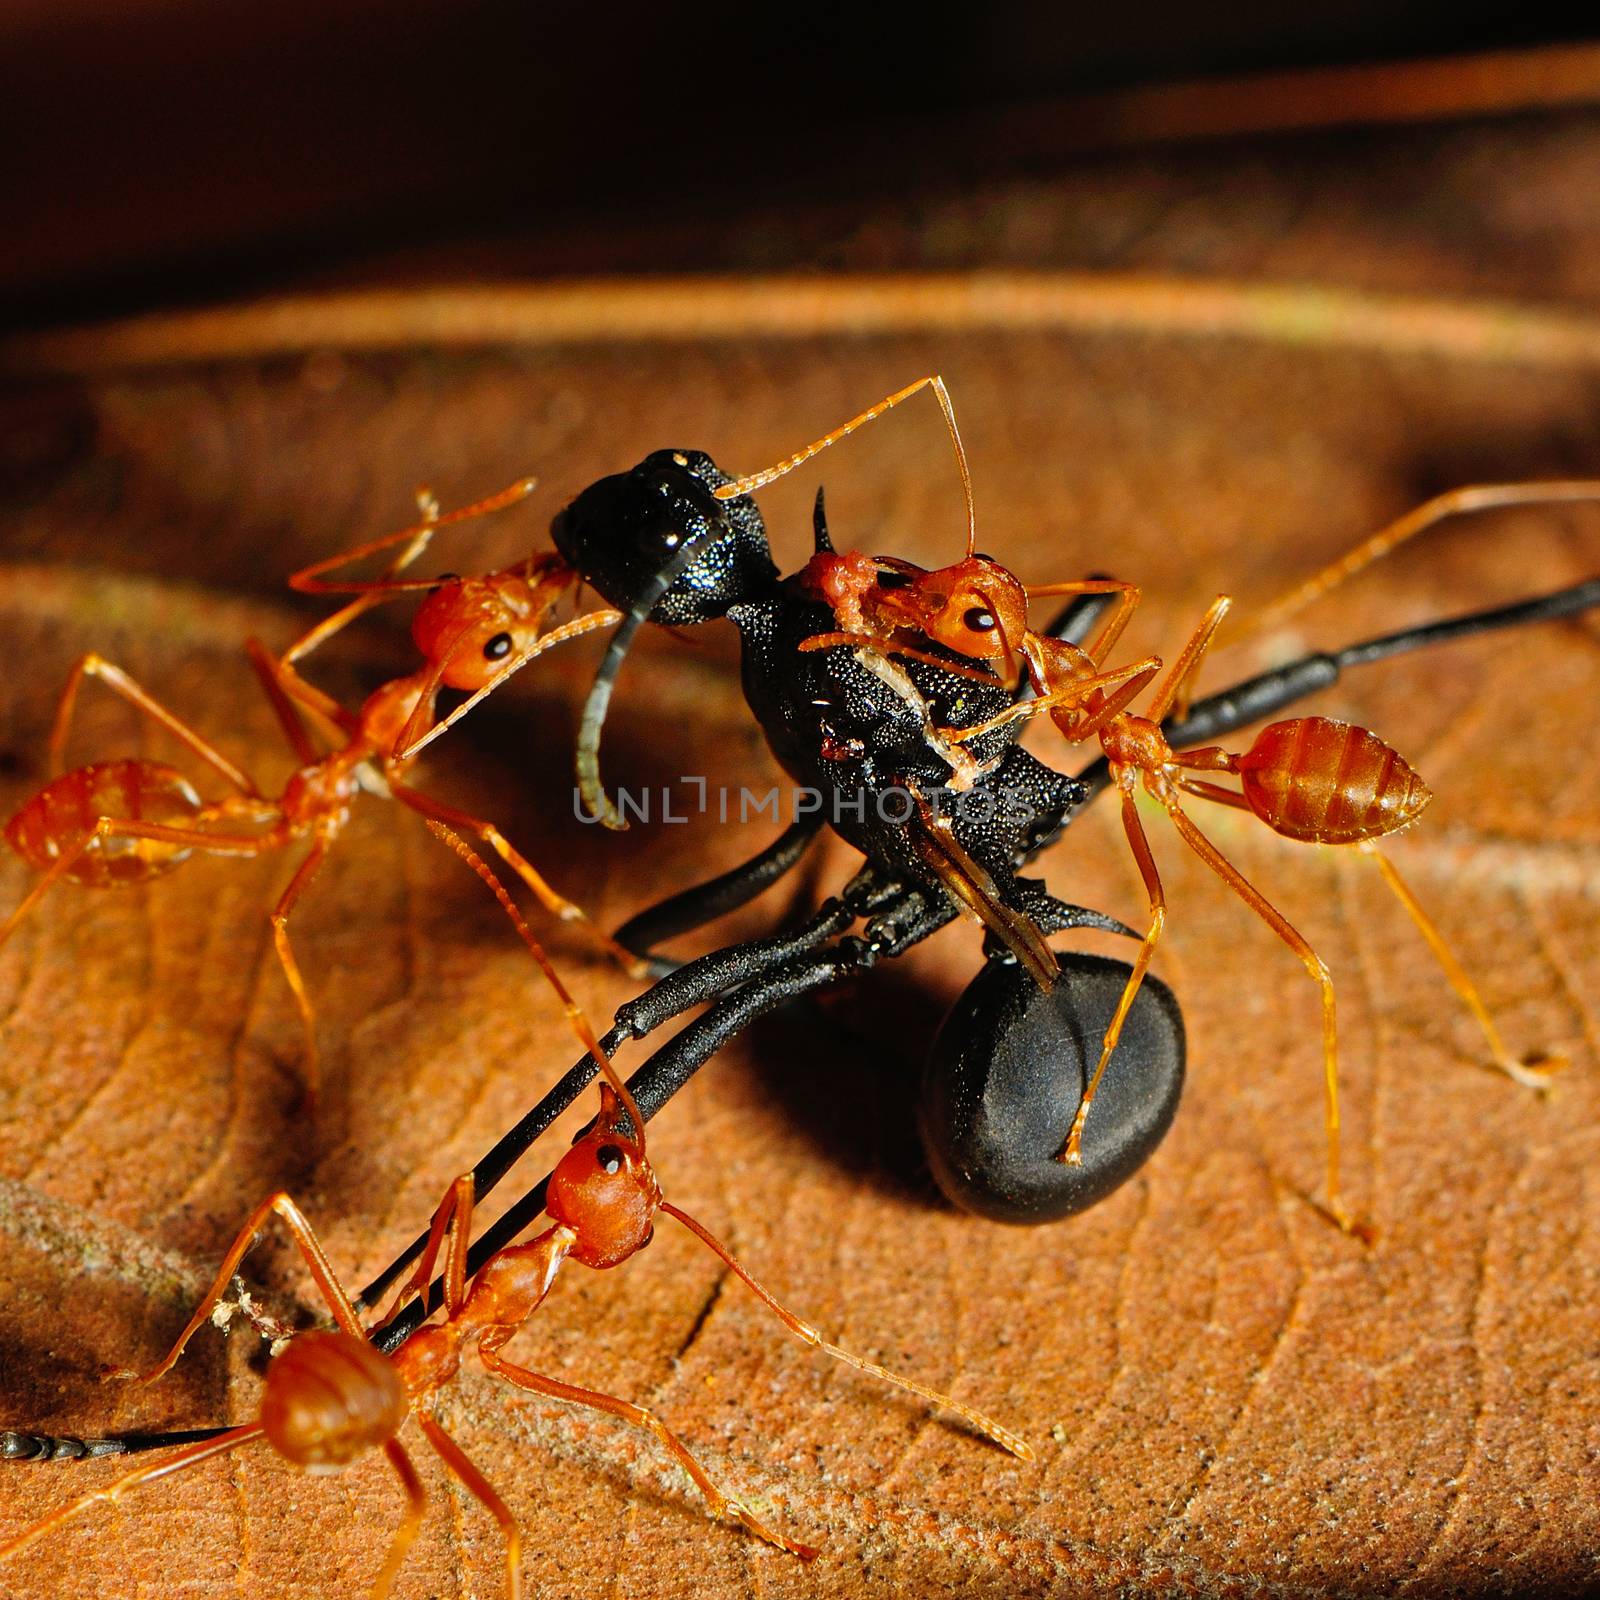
(1311, 779)
(330, 1397)
(128, 821)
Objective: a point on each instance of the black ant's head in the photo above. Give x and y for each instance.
(658, 538)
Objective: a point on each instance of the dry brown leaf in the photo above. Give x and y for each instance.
(1225, 1393)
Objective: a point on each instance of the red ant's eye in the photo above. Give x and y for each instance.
(980, 620)
(497, 648)
(893, 580)
(609, 1158)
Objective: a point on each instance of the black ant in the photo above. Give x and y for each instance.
(677, 541)
(945, 721)
(127, 821)
(332, 1397)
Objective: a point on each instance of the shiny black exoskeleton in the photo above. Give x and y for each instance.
(861, 748)
(1008, 1069)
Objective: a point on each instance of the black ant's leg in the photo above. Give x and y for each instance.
(709, 977)
(716, 974)
(912, 917)
(1051, 915)
(705, 902)
(1568, 602)
(1269, 692)
(63, 1447)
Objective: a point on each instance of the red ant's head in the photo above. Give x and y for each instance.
(976, 608)
(468, 628)
(605, 1190)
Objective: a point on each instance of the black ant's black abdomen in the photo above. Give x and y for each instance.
(1008, 1068)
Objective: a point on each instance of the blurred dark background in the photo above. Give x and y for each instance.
(165, 151)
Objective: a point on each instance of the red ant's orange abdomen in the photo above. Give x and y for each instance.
(330, 1398)
(1327, 782)
(69, 807)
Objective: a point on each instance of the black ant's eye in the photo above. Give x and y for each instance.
(609, 1158)
(498, 648)
(654, 539)
(893, 580)
(980, 620)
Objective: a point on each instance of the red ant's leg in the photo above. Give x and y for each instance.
(1055, 699)
(537, 1383)
(576, 1016)
(972, 886)
(1139, 843)
(283, 704)
(1214, 792)
(416, 1504)
(1474, 497)
(887, 647)
(1115, 704)
(280, 1205)
(290, 694)
(803, 1331)
(58, 869)
(310, 580)
(191, 1456)
(231, 844)
(479, 1487)
(118, 681)
(556, 904)
(315, 638)
(1532, 1073)
(1121, 614)
(1175, 687)
(452, 1222)
(1527, 1073)
(1314, 964)
(307, 694)
(303, 875)
(337, 723)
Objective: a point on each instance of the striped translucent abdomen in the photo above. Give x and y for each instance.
(67, 808)
(1327, 782)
